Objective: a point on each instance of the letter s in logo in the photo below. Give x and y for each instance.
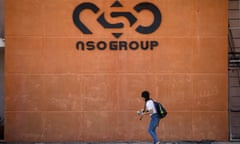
(77, 12)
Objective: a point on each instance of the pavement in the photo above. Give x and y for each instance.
(182, 142)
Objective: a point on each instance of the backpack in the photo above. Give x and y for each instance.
(160, 109)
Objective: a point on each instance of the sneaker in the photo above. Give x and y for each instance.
(158, 142)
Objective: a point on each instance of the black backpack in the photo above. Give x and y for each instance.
(160, 109)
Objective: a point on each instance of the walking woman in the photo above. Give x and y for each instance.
(149, 109)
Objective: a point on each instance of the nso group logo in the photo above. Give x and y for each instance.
(115, 43)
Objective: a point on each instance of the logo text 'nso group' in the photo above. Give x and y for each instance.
(117, 44)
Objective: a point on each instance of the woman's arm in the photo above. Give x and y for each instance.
(148, 112)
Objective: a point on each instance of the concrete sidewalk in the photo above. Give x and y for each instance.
(183, 142)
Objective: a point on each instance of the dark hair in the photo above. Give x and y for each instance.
(146, 95)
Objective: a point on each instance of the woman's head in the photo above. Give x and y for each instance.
(146, 95)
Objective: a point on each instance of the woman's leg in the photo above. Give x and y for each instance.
(152, 128)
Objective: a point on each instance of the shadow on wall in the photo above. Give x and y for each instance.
(1, 93)
(1, 128)
(1, 71)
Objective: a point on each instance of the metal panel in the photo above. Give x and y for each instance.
(234, 106)
(234, 69)
(235, 117)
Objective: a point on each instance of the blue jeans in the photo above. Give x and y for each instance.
(152, 127)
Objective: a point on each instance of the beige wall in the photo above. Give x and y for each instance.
(55, 92)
